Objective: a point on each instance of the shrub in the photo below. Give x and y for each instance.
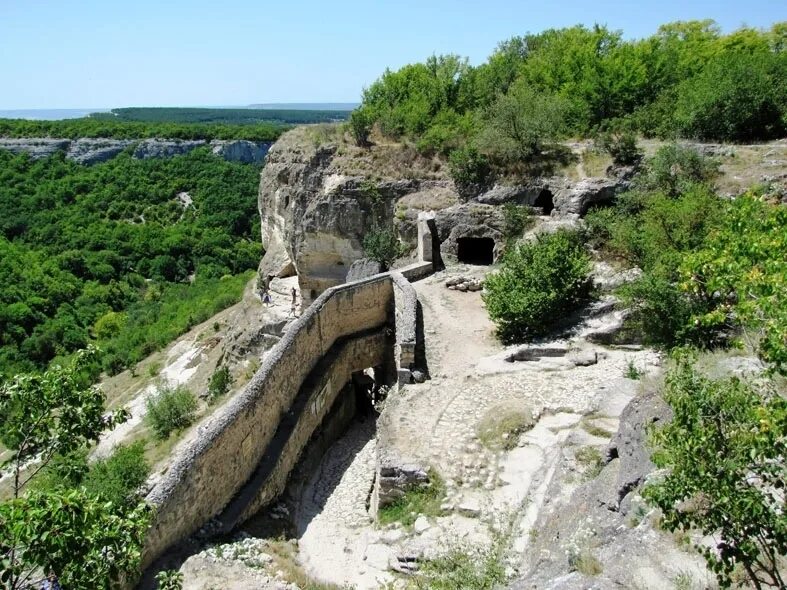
(538, 282)
(516, 219)
(725, 450)
(622, 146)
(169, 580)
(469, 568)
(219, 383)
(382, 245)
(118, 477)
(361, 121)
(170, 410)
(469, 169)
(674, 168)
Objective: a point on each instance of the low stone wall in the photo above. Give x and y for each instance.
(208, 472)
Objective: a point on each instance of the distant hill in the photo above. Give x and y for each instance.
(231, 116)
(307, 106)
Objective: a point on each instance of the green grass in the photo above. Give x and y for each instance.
(416, 501)
(632, 372)
(501, 427)
(595, 430)
(586, 563)
(591, 461)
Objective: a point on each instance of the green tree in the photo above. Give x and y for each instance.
(736, 97)
(87, 541)
(382, 245)
(537, 283)
(725, 449)
(740, 271)
(518, 125)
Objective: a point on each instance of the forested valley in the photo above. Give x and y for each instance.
(127, 254)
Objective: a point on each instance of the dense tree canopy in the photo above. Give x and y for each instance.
(96, 253)
(687, 80)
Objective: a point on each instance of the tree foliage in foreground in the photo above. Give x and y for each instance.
(725, 448)
(87, 538)
(537, 283)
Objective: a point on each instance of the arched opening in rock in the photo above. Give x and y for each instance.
(476, 250)
(544, 201)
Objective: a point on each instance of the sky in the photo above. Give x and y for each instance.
(107, 53)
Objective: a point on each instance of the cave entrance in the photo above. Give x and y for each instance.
(476, 250)
(544, 202)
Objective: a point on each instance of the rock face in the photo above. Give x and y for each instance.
(95, 150)
(248, 152)
(363, 269)
(317, 202)
(576, 198)
(314, 217)
(165, 148)
(37, 147)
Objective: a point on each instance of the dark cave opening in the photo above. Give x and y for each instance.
(544, 202)
(476, 250)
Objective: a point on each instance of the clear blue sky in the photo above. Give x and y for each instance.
(107, 53)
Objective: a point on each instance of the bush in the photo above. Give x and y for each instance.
(360, 123)
(118, 477)
(538, 282)
(219, 383)
(169, 580)
(516, 219)
(383, 246)
(621, 146)
(170, 410)
(674, 168)
(469, 169)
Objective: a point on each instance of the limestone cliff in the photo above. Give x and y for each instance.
(95, 150)
(319, 196)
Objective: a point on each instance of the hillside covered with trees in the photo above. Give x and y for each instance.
(129, 253)
(688, 80)
(242, 116)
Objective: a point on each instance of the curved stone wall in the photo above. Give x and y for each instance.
(349, 327)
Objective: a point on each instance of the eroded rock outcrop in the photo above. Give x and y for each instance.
(318, 201)
(95, 150)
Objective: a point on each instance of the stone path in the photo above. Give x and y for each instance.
(436, 423)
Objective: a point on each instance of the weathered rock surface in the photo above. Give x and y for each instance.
(316, 209)
(95, 150)
(165, 148)
(363, 269)
(576, 198)
(247, 152)
(630, 444)
(37, 147)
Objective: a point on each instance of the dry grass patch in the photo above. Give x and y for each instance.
(502, 425)
(285, 559)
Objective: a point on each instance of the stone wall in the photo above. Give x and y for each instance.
(219, 472)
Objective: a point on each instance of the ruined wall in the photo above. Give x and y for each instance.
(208, 472)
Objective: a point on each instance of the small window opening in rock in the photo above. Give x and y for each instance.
(476, 250)
(545, 202)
